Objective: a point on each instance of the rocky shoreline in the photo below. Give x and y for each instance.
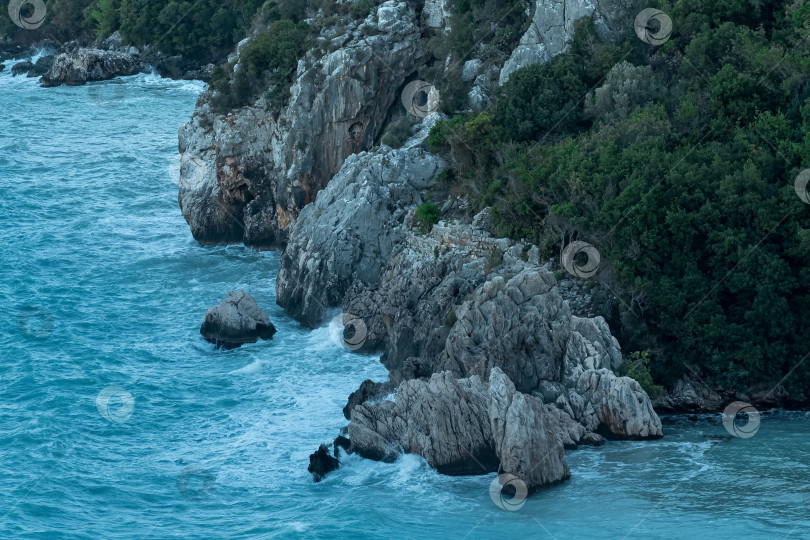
(74, 63)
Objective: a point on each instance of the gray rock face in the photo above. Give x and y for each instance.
(521, 327)
(247, 176)
(236, 321)
(351, 229)
(526, 435)
(83, 65)
(464, 426)
(614, 406)
(553, 26)
(21, 67)
(444, 420)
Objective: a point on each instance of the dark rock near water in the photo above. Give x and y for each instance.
(236, 321)
(21, 67)
(84, 65)
(368, 391)
(43, 66)
(321, 463)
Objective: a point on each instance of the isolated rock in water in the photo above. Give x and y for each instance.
(42, 66)
(526, 439)
(321, 463)
(351, 229)
(616, 407)
(554, 23)
(236, 321)
(83, 65)
(246, 176)
(444, 420)
(21, 67)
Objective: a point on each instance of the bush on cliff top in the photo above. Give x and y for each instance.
(687, 193)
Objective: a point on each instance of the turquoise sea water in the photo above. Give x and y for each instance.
(118, 421)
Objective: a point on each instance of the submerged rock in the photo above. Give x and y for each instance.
(321, 463)
(236, 321)
(83, 65)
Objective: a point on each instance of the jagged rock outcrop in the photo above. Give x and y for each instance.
(444, 420)
(42, 66)
(350, 231)
(84, 65)
(368, 391)
(237, 320)
(465, 426)
(526, 435)
(21, 67)
(553, 25)
(245, 177)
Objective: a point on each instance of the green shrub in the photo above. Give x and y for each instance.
(428, 215)
(637, 367)
(493, 260)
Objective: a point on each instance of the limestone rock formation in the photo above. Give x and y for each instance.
(351, 229)
(84, 65)
(246, 176)
(235, 321)
(443, 420)
(321, 463)
(553, 25)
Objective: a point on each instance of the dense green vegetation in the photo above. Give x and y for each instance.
(678, 163)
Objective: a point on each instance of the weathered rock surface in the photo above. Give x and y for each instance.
(553, 26)
(84, 65)
(526, 435)
(247, 176)
(444, 420)
(235, 321)
(368, 390)
(690, 394)
(350, 231)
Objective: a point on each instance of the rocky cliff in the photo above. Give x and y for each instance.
(245, 176)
